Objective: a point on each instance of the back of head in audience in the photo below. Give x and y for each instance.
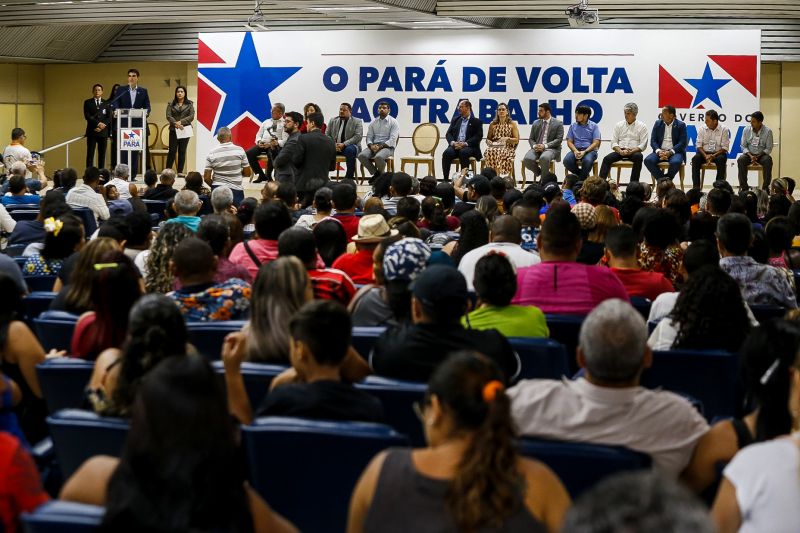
(527, 209)
(487, 206)
(779, 205)
(320, 330)
(187, 203)
(498, 187)
(140, 230)
(63, 236)
(150, 178)
(495, 280)
(447, 193)
(16, 185)
(621, 242)
(700, 253)
(594, 190)
(159, 274)
(214, 230)
(78, 298)
(734, 234)
(246, 210)
(400, 184)
(331, 240)
(662, 229)
(702, 226)
(323, 200)
(433, 211)
(271, 219)
(506, 228)
(401, 263)
(408, 207)
(343, 197)
(193, 262)
(474, 233)
(221, 199)
(663, 186)
(427, 186)
(780, 234)
(638, 502)
(439, 296)
(719, 201)
(298, 242)
(116, 286)
(194, 182)
(560, 239)
(613, 344)
(676, 201)
(511, 197)
(118, 228)
(750, 200)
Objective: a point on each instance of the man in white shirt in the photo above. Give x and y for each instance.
(227, 165)
(627, 142)
(607, 405)
(17, 152)
(713, 143)
(119, 179)
(382, 136)
(269, 140)
(505, 238)
(85, 195)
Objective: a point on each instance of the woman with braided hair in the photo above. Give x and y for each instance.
(154, 263)
(470, 478)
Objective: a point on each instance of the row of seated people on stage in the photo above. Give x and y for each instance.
(407, 257)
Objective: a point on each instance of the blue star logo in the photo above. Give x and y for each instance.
(707, 87)
(247, 85)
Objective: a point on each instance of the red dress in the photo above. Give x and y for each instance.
(20, 488)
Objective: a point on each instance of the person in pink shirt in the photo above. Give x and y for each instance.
(271, 218)
(559, 285)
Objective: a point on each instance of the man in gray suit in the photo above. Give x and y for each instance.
(284, 161)
(347, 131)
(315, 158)
(545, 140)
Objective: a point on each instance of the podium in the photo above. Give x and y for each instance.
(132, 136)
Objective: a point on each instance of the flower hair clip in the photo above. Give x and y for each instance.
(53, 225)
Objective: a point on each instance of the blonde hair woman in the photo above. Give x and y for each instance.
(501, 142)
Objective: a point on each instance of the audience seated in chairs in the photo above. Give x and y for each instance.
(63, 237)
(320, 341)
(164, 190)
(200, 297)
(52, 204)
(214, 229)
(156, 331)
(331, 241)
(140, 236)
(471, 447)
(709, 314)
(154, 263)
(344, 198)
(18, 193)
(372, 229)
(179, 465)
(620, 252)
(439, 300)
(607, 405)
(271, 219)
(660, 250)
(558, 284)
(76, 295)
(496, 284)
(187, 204)
(194, 182)
(115, 287)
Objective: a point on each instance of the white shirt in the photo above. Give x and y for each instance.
(713, 140)
(272, 127)
(7, 223)
(141, 262)
(663, 306)
(14, 153)
(630, 135)
(514, 252)
(659, 423)
(666, 144)
(227, 161)
(767, 481)
(84, 196)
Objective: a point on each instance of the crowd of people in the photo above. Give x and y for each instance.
(452, 270)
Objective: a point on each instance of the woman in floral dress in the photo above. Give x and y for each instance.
(501, 142)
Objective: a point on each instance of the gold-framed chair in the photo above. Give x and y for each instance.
(663, 165)
(157, 146)
(425, 140)
(579, 163)
(523, 169)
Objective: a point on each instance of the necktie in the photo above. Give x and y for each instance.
(541, 132)
(97, 102)
(342, 124)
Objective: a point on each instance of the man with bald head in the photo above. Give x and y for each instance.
(505, 237)
(227, 165)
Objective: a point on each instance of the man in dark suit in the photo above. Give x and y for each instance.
(347, 132)
(97, 113)
(284, 161)
(132, 96)
(545, 140)
(464, 138)
(315, 158)
(668, 140)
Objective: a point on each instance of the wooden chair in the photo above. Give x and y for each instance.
(425, 139)
(758, 168)
(525, 177)
(340, 160)
(156, 147)
(389, 167)
(473, 164)
(707, 166)
(513, 172)
(663, 165)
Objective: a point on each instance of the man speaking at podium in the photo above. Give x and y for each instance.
(132, 96)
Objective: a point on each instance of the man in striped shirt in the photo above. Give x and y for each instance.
(227, 165)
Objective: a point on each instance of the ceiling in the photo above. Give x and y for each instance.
(166, 30)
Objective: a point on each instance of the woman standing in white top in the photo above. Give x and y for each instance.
(760, 490)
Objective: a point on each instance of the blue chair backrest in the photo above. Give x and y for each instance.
(78, 435)
(15, 250)
(39, 283)
(87, 217)
(24, 214)
(63, 517)
(15, 207)
(540, 358)
(257, 379)
(20, 260)
(37, 302)
(63, 381)
(54, 329)
(306, 469)
(207, 208)
(156, 207)
(565, 329)
(207, 337)
(581, 465)
(642, 304)
(364, 339)
(398, 398)
(764, 313)
(709, 376)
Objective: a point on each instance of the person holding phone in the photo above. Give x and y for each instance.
(270, 139)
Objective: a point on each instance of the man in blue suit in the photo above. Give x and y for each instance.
(132, 96)
(668, 140)
(463, 138)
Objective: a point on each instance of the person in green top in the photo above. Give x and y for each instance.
(496, 283)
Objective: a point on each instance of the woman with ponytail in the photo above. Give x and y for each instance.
(156, 330)
(470, 478)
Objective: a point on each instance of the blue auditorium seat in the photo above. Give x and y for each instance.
(156, 207)
(37, 302)
(39, 283)
(54, 329)
(88, 218)
(257, 378)
(208, 337)
(364, 339)
(24, 214)
(15, 250)
(63, 381)
(307, 469)
(581, 465)
(398, 398)
(78, 435)
(540, 358)
(764, 313)
(565, 329)
(63, 517)
(709, 376)
(642, 304)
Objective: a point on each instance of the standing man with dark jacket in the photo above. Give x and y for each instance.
(97, 113)
(284, 162)
(464, 138)
(132, 96)
(315, 158)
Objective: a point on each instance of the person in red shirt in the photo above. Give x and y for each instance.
(372, 229)
(620, 254)
(344, 202)
(20, 488)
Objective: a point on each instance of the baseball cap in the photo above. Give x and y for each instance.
(441, 287)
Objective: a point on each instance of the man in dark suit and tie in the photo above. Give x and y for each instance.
(668, 140)
(347, 132)
(132, 96)
(547, 133)
(97, 113)
(464, 138)
(315, 158)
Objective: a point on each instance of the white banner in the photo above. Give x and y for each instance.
(423, 75)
